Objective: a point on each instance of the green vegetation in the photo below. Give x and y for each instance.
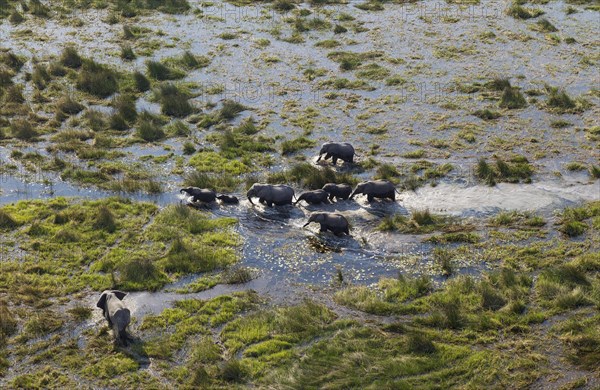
(309, 176)
(516, 170)
(516, 10)
(512, 98)
(97, 79)
(292, 146)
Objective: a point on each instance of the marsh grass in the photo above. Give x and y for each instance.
(23, 130)
(97, 79)
(105, 220)
(544, 25)
(142, 84)
(516, 170)
(127, 53)
(70, 58)
(519, 12)
(173, 101)
(296, 144)
(512, 98)
(7, 221)
(149, 130)
(68, 106)
(221, 182)
(237, 275)
(162, 72)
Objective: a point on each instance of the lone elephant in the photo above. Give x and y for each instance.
(334, 222)
(338, 191)
(200, 194)
(115, 312)
(270, 194)
(313, 197)
(381, 189)
(337, 151)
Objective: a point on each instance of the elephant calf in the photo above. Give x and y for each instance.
(200, 194)
(338, 191)
(313, 197)
(270, 194)
(335, 223)
(228, 199)
(337, 151)
(376, 189)
(115, 312)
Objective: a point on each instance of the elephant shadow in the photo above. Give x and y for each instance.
(282, 214)
(383, 208)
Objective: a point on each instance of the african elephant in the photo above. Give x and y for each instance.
(200, 194)
(228, 199)
(313, 197)
(115, 312)
(337, 150)
(270, 194)
(336, 223)
(339, 191)
(376, 189)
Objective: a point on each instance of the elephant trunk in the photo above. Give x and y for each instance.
(353, 193)
(250, 200)
(319, 158)
(306, 224)
(181, 191)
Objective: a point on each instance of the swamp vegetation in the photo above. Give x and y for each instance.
(107, 108)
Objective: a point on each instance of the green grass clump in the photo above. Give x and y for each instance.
(387, 172)
(221, 183)
(12, 61)
(174, 101)
(70, 58)
(142, 84)
(516, 170)
(161, 72)
(23, 130)
(230, 109)
(420, 222)
(7, 221)
(519, 12)
(544, 25)
(559, 101)
(8, 322)
(512, 98)
(149, 130)
(487, 114)
(105, 220)
(213, 162)
(292, 146)
(309, 176)
(68, 106)
(97, 79)
(125, 107)
(127, 53)
(572, 219)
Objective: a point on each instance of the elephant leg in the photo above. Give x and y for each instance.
(322, 229)
(269, 203)
(331, 196)
(262, 200)
(370, 198)
(327, 156)
(334, 160)
(392, 196)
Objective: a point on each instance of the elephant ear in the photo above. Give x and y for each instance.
(119, 294)
(102, 301)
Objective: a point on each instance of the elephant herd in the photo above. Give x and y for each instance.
(280, 194)
(118, 316)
